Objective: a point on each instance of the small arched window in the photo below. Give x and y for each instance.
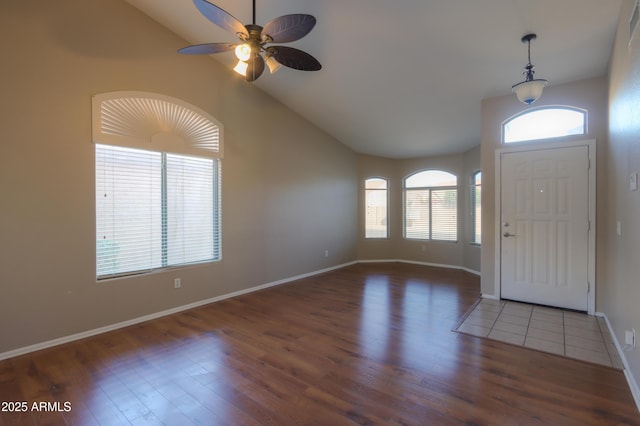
(376, 210)
(545, 123)
(431, 206)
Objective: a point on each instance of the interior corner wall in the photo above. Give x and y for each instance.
(589, 94)
(618, 267)
(457, 254)
(289, 190)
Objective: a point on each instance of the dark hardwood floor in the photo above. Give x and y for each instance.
(366, 344)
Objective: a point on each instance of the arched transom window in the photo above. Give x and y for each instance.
(545, 123)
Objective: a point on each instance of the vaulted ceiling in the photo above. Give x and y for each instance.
(406, 78)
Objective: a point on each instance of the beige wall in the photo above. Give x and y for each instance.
(591, 95)
(619, 265)
(289, 190)
(460, 254)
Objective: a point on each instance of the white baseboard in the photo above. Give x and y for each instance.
(111, 327)
(633, 385)
(415, 262)
(489, 296)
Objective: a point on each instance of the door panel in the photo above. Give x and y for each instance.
(545, 226)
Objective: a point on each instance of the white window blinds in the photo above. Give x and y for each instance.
(154, 210)
(157, 183)
(192, 204)
(417, 220)
(444, 214)
(128, 210)
(431, 206)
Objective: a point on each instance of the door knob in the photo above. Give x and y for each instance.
(508, 234)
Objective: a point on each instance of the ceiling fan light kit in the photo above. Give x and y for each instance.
(243, 52)
(272, 63)
(529, 90)
(254, 39)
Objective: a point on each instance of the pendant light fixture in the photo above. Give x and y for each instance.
(529, 90)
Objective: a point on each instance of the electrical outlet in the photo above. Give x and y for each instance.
(326, 253)
(630, 338)
(177, 283)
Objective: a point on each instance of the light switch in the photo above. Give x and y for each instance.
(633, 181)
(619, 228)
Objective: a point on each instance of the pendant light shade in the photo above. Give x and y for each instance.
(529, 90)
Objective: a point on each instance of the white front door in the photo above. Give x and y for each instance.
(544, 226)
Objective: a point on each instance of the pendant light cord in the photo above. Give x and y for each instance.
(254, 13)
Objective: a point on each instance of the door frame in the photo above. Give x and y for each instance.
(591, 260)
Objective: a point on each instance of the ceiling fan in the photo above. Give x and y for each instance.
(254, 40)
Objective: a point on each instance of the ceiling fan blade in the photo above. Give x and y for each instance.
(220, 17)
(289, 28)
(294, 58)
(255, 68)
(206, 49)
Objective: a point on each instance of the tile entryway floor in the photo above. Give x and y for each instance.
(557, 331)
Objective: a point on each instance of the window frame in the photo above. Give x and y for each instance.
(430, 190)
(160, 241)
(473, 201)
(366, 205)
(153, 122)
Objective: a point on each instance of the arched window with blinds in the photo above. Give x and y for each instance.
(431, 206)
(157, 165)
